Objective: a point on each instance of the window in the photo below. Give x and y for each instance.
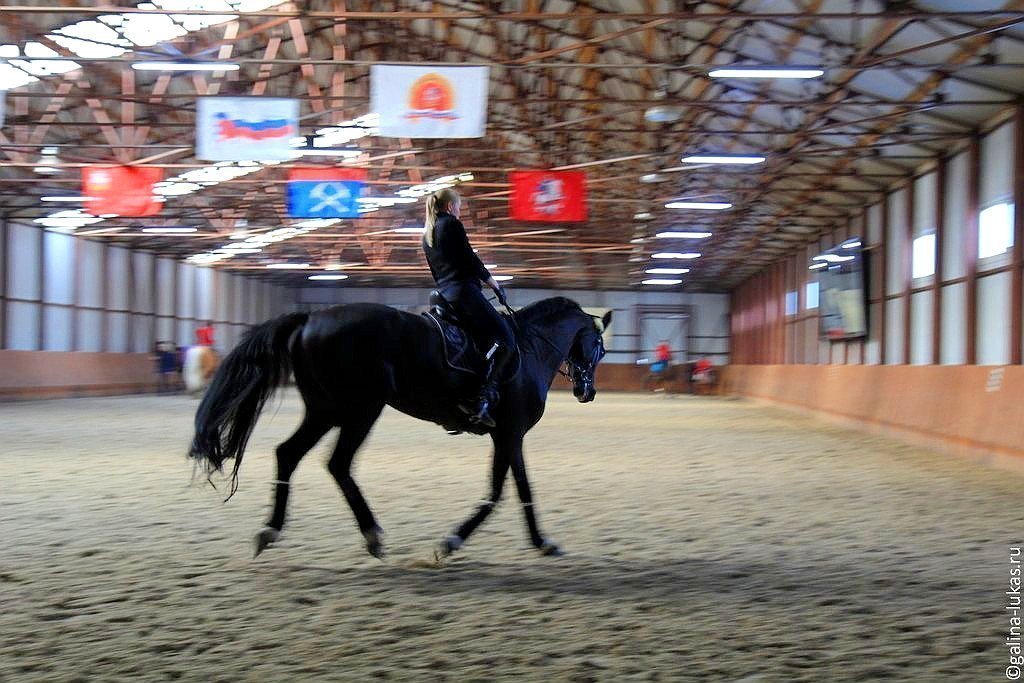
(811, 296)
(995, 230)
(792, 302)
(924, 256)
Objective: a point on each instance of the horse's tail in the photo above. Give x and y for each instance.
(241, 386)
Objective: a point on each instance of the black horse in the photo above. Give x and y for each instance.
(349, 361)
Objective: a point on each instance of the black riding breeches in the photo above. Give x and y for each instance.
(482, 321)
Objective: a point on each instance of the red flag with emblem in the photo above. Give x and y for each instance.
(549, 196)
(121, 190)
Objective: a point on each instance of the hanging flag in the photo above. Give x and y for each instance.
(121, 190)
(548, 196)
(246, 128)
(429, 102)
(317, 192)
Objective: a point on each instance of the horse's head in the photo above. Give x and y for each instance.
(586, 352)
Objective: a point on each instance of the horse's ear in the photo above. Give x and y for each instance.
(606, 320)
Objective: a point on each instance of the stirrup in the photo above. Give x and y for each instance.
(478, 414)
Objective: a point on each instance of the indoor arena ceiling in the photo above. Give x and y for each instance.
(570, 83)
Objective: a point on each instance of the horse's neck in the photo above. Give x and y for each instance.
(552, 349)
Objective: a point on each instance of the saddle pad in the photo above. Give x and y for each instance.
(459, 351)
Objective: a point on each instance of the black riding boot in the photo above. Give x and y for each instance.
(489, 395)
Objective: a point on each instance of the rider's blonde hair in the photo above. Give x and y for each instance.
(436, 203)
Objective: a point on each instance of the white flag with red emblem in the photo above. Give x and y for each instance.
(428, 101)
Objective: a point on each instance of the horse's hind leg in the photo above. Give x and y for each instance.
(356, 425)
(289, 453)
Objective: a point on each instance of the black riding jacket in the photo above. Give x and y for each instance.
(451, 259)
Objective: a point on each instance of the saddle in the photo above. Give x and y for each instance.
(460, 352)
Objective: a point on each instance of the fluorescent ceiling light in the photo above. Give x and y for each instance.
(534, 232)
(185, 66)
(851, 245)
(765, 72)
(331, 276)
(46, 170)
(643, 216)
(723, 159)
(650, 178)
(683, 234)
(676, 255)
(637, 240)
(231, 251)
(818, 265)
(502, 278)
(62, 198)
(288, 266)
(667, 271)
(663, 113)
(100, 231)
(169, 230)
(333, 266)
(419, 231)
(662, 281)
(833, 258)
(707, 206)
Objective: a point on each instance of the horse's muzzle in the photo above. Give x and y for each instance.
(584, 392)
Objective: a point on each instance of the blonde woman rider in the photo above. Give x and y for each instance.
(460, 276)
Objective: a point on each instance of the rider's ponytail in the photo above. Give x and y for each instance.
(437, 202)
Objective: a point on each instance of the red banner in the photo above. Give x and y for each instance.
(326, 173)
(549, 196)
(121, 190)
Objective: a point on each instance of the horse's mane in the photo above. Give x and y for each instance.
(545, 308)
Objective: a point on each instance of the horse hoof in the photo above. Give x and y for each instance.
(449, 544)
(375, 542)
(264, 539)
(549, 549)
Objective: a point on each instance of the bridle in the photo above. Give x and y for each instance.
(576, 368)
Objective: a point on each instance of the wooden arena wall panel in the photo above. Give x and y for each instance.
(51, 374)
(968, 410)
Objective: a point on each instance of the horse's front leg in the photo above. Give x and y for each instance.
(499, 470)
(518, 465)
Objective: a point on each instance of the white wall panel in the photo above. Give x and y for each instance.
(993, 341)
(873, 346)
(954, 325)
(117, 332)
(59, 259)
(894, 332)
(23, 278)
(165, 288)
(895, 242)
(90, 273)
(22, 326)
(921, 328)
(165, 329)
(874, 223)
(186, 290)
(997, 165)
(204, 278)
(955, 210)
(925, 189)
(142, 263)
(57, 322)
(142, 333)
(89, 331)
(119, 286)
